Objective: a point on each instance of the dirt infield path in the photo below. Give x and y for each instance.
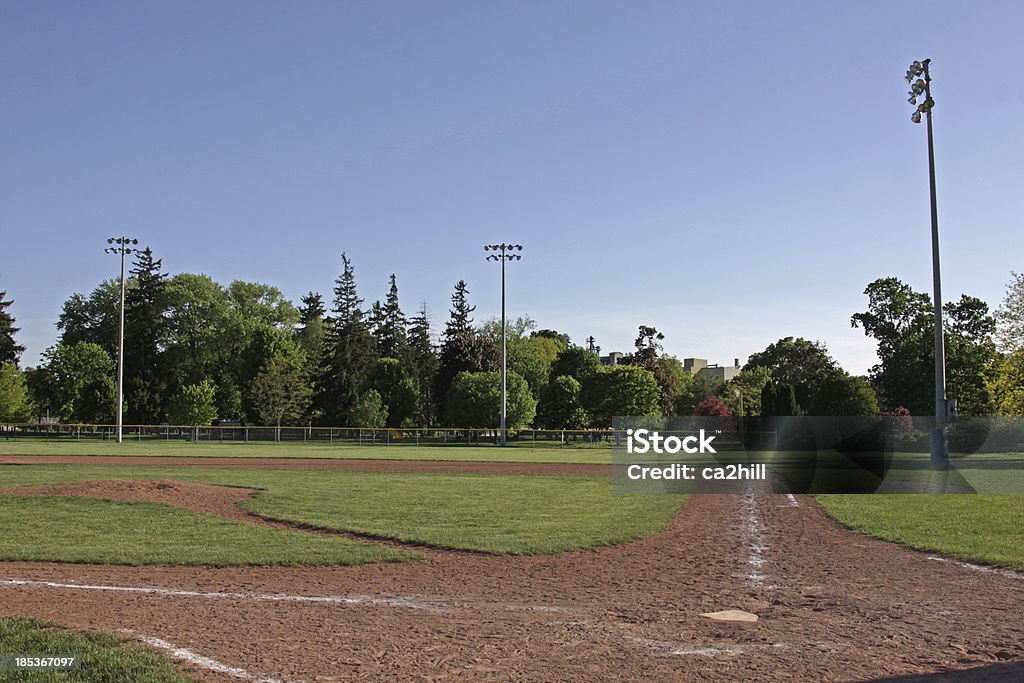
(832, 605)
(351, 464)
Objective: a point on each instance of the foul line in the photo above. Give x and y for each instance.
(186, 655)
(1009, 573)
(793, 502)
(270, 597)
(755, 542)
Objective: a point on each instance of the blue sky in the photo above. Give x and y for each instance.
(729, 172)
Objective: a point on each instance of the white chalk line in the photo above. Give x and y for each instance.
(437, 606)
(753, 530)
(196, 659)
(979, 568)
(793, 502)
(267, 597)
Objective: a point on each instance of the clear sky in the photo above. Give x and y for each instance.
(729, 172)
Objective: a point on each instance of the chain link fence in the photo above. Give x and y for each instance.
(350, 436)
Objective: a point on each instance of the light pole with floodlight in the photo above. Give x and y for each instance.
(504, 255)
(122, 248)
(921, 97)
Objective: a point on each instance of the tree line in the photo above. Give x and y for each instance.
(197, 351)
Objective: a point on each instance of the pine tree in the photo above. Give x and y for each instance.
(349, 351)
(463, 349)
(146, 379)
(10, 350)
(375, 319)
(391, 337)
(312, 332)
(424, 363)
(312, 308)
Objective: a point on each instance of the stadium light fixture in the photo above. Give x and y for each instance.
(504, 254)
(124, 246)
(920, 81)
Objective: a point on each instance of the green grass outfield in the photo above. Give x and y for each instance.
(103, 657)
(234, 449)
(978, 528)
(489, 513)
(984, 473)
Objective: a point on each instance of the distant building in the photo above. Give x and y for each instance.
(694, 366)
(714, 372)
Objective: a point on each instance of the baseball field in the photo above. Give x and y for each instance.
(155, 561)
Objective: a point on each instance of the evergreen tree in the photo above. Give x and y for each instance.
(10, 350)
(312, 308)
(311, 334)
(391, 337)
(146, 378)
(349, 351)
(374, 319)
(424, 364)
(464, 349)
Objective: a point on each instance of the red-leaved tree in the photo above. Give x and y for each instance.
(712, 406)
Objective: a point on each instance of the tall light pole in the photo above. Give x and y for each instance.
(504, 254)
(122, 247)
(921, 97)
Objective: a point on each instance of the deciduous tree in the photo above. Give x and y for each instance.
(559, 406)
(844, 395)
(194, 405)
(712, 406)
(280, 393)
(901, 321)
(369, 411)
(15, 405)
(796, 361)
(475, 401)
(620, 390)
(575, 362)
(78, 382)
(1010, 316)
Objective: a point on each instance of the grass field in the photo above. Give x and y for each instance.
(979, 528)
(234, 449)
(989, 473)
(489, 513)
(103, 657)
(67, 529)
